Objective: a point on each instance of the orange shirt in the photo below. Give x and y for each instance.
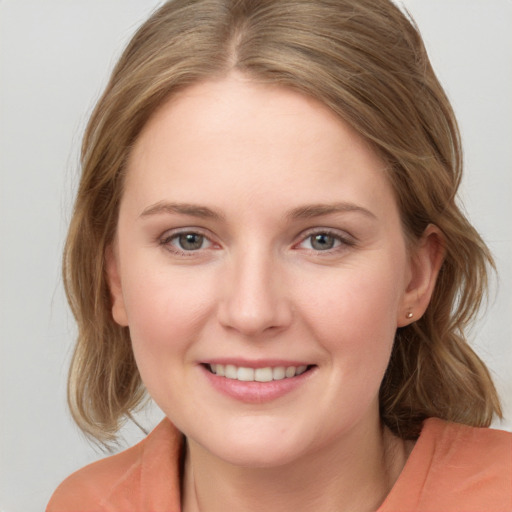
(451, 468)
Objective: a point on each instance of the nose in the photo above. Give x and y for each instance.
(255, 299)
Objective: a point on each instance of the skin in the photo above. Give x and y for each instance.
(261, 159)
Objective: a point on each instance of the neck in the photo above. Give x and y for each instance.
(356, 474)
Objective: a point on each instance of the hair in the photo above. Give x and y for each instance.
(366, 61)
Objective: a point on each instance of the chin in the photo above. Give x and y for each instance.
(259, 455)
(261, 445)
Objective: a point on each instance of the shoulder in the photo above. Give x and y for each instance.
(456, 467)
(470, 465)
(90, 488)
(120, 482)
(465, 448)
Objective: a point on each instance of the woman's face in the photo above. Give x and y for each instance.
(261, 267)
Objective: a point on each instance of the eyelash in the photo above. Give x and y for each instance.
(167, 239)
(342, 241)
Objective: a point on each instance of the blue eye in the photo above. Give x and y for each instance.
(186, 242)
(190, 241)
(323, 241)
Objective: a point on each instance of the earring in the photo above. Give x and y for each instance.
(409, 315)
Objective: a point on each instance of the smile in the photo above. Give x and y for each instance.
(267, 374)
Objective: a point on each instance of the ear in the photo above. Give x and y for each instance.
(426, 259)
(114, 284)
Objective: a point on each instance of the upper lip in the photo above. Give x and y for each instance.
(258, 363)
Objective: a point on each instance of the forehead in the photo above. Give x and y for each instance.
(253, 139)
(239, 105)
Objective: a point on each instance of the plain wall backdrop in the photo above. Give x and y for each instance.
(55, 57)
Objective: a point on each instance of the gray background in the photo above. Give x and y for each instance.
(55, 56)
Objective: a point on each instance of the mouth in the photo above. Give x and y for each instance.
(265, 374)
(257, 382)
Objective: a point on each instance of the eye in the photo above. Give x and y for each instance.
(189, 241)
(325, 241)
(322, 241)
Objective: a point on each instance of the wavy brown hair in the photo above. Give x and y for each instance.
(366, 61)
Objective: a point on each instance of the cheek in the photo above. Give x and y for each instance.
(165, 312)
(354, 314)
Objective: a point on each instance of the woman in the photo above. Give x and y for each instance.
(266, 239)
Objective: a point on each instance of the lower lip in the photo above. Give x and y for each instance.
(256, 392)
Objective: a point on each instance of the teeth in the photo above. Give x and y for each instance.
(290, 371)
(301, 369)
(230, 371)
(266, 374)
(245, 374)
(263, 374)
(279, 372)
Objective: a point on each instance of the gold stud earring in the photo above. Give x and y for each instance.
(409, 315)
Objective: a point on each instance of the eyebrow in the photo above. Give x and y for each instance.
(302, 212)
(318, 210)
(181, 208)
